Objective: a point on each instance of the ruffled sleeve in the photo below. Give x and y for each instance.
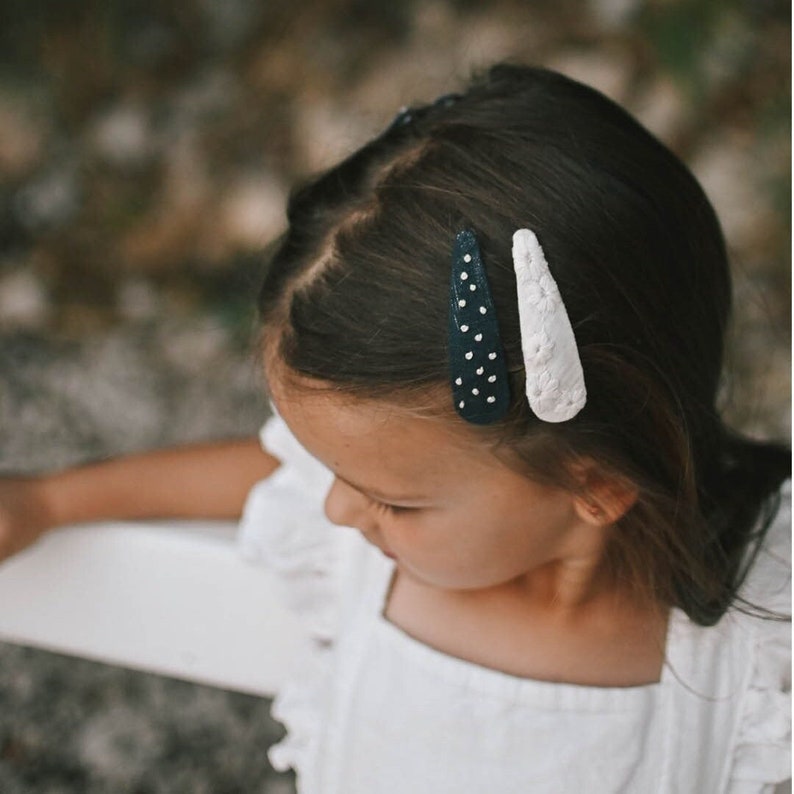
(283, 527)
(762, 751)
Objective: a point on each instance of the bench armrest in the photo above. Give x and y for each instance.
(171, 598)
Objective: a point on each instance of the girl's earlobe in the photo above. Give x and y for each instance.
(604, 499)
(606, 508)
(594, 511)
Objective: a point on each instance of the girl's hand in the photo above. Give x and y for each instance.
(24, 513)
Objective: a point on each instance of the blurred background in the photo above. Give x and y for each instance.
(146, 151)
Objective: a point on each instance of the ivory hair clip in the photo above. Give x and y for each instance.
(554, 377)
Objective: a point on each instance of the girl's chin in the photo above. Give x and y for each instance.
(385, 552)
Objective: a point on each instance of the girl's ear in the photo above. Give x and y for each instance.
(603, 497)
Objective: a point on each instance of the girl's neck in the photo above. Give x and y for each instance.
(575, 578)
(557, 628)
(565, 585)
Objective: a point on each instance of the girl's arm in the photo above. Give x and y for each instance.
(197, 481)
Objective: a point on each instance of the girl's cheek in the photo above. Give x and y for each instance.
(415, 532)
(400, 530)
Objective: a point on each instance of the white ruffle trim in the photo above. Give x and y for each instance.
(283, 527)
(300, 707)
(762, 755)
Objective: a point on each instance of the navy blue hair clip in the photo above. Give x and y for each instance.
(478, 370)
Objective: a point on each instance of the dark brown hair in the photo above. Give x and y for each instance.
(356, 295)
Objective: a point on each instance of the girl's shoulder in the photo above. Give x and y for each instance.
(732, 681)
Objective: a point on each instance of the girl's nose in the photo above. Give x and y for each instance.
(346, 507)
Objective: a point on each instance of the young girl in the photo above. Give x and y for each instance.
(493, 338)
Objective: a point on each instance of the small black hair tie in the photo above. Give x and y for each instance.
(407, 115)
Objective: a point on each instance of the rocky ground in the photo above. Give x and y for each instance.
(75, 726)
(145, 154)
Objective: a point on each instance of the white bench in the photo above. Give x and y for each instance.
(175, 599)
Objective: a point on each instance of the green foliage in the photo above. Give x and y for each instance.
(697, 41)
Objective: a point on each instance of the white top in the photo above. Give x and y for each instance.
(374, 711)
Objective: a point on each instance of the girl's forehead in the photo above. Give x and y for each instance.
(376, 442)
(363, 420)
(355, 415)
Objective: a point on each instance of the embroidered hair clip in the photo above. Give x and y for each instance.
(480, 388)
(554, 377)
(478, 370)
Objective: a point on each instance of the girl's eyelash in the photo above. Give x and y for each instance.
(386, 507)
(394, 509)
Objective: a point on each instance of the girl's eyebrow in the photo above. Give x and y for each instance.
(379, 495)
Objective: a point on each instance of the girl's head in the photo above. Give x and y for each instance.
(356, 300)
